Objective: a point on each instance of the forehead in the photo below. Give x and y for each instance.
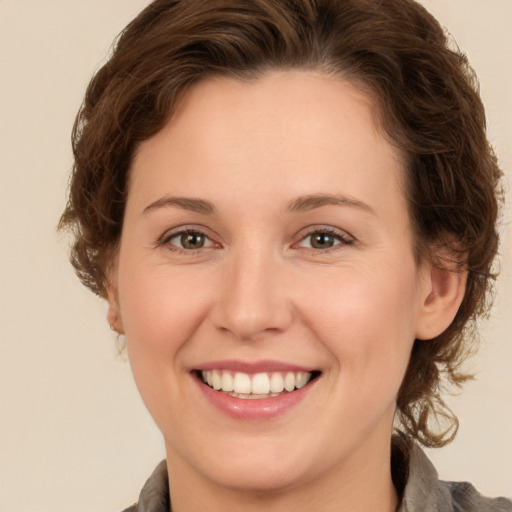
(299, 103)
(294, 131)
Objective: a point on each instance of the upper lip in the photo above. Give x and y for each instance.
(253, 366)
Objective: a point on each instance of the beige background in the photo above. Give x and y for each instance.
(74, 435)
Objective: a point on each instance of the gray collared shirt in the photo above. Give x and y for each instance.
(423, 491)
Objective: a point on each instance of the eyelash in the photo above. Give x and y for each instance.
(341, 237)
(165, 240)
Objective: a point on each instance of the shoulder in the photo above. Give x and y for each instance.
(466, 498)
(154, 496)
(424, 492)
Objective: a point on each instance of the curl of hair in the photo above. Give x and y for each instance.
(428, 107)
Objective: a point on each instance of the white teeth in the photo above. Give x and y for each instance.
(253, 397)
(216, 380)
(289, 381)
(242, 383)
(301, 379)
(227, 382)
(259, 385)
(276, 383)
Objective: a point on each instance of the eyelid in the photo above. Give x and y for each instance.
(164, 239)
(343, 236)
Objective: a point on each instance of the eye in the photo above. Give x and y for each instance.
(324, 239)
(188, 240)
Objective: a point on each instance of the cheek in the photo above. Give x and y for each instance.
(366, 318)
(161, 312)
(161, 307)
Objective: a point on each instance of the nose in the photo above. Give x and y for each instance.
(253, 302)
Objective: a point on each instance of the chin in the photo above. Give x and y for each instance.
(268, 478)
(254, 464)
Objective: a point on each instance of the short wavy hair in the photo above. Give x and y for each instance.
(428, 107)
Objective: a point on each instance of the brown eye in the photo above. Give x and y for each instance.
(187, 240)
(192, 240)
(322, 241)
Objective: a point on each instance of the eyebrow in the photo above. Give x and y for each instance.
(312, 201)
(300, 204)
(185, 203)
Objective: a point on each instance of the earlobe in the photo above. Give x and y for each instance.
(442, 295)
(113, 314)
(114, 318)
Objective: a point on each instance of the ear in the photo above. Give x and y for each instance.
(442, 292)
(114, 313)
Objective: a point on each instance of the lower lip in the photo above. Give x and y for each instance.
(254, 409)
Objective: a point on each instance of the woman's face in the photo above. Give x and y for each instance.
(267, 243)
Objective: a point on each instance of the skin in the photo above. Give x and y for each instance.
(258, 289)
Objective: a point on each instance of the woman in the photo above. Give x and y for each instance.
(290, 208)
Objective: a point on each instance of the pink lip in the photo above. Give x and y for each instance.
(252, 366)
(253, 409)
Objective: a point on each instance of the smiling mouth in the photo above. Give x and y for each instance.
(258, 385)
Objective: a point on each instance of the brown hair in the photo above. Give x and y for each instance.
(429, 107)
